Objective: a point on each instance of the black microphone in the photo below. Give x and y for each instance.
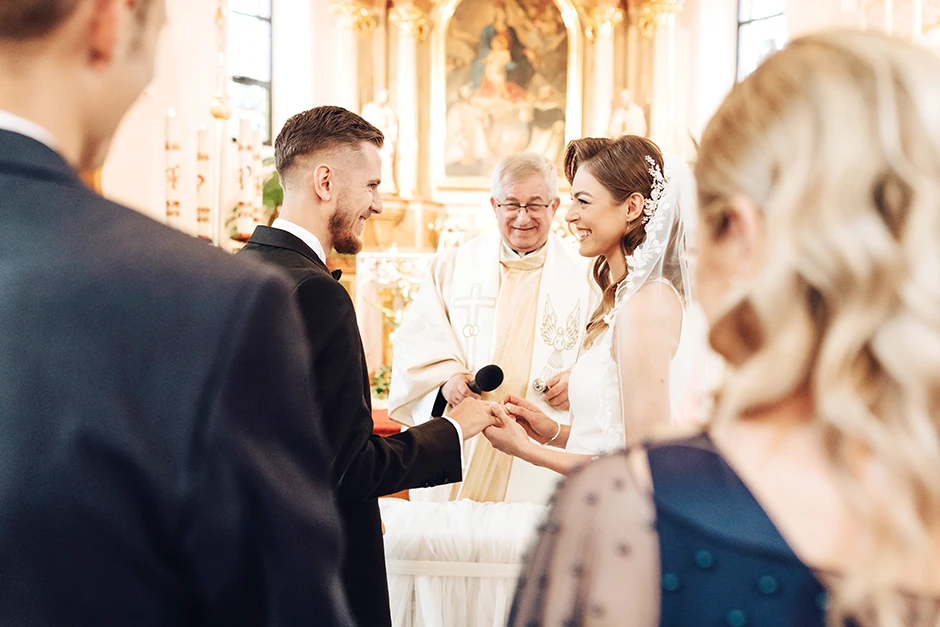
(487, 379)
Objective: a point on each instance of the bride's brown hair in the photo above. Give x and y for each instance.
(620, 166)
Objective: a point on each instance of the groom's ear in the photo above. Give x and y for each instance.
(323, 182)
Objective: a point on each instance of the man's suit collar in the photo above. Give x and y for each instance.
(25, 155)
(278, 238)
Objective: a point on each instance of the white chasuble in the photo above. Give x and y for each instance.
(484, 304)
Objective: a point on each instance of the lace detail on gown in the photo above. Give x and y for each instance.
(594, 388)
(594, 394)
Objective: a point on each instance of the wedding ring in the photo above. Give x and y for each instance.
(540, 386)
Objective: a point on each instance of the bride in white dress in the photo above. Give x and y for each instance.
(628, 212)
(457, 563)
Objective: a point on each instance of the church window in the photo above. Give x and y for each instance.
(762, 30)
(250, 64)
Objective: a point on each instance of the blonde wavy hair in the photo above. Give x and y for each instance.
(837, 139)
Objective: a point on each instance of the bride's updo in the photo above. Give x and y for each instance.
(620, 166)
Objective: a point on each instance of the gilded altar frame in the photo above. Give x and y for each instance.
(438, 92)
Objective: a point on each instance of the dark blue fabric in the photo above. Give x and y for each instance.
(724, 563)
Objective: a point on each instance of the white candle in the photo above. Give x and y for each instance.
(245, 218)
(172, 152)
(203, 189)
(258, 178)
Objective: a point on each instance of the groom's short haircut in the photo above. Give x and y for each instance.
(321, 130)
(522, 166)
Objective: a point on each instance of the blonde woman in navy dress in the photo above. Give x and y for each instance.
(814, 496)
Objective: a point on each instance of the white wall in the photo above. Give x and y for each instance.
(304, 76)
(324, 50)
(185, 81)
(808, 16)
(712, 72)
(292, 79)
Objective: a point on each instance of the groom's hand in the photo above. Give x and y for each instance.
(473, 417)
(456, 389)
(557, 393)
(506, 435)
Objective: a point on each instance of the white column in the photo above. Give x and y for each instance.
(353, 21)
(412, 27)
(380, 55)
(917, 19)
(663, 112)
(603, 21)
(633, 55)
(658, 20)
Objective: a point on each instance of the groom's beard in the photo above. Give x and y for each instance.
(341, 226)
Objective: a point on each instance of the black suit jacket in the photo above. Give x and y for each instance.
(158, 464)
(365, 466)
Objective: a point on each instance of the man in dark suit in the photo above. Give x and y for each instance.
(329, 163)
(158, 461)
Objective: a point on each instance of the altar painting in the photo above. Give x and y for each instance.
(505, 86)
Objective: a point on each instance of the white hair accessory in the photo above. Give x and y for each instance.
(659, 185)
(660, 213)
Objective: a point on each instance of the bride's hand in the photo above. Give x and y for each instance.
(506, 435)
(540, 427)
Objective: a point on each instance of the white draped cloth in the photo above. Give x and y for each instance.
(455, 564)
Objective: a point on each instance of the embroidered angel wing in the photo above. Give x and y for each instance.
(573, 327)
(549, 324)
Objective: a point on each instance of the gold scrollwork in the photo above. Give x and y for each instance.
(601, 22)
(653, 13)
(351, 14)
(410, 20)
(931, 19)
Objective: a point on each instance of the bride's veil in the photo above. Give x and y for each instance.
(663, 262)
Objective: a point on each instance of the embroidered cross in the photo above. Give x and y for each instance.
(473, 303)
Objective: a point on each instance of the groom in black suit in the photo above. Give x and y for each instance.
(158, 461)
(329, 163)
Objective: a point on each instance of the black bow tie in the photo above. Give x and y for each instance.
(337, 274)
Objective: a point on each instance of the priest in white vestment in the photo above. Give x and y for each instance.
(518, 297)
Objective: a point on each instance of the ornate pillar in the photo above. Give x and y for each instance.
(657, 21)
(412, 27)
(633, 54)
(601, 23)
(353, 21)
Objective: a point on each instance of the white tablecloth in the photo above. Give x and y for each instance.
(455, 564)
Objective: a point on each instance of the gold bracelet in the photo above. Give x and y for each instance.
(557, 433)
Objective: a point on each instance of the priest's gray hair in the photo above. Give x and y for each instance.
(522, 166)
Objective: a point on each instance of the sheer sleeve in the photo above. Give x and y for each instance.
(596, 562)
(645, 338)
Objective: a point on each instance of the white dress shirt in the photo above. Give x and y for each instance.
(302, 234)
(22, 126)
(313, 242)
